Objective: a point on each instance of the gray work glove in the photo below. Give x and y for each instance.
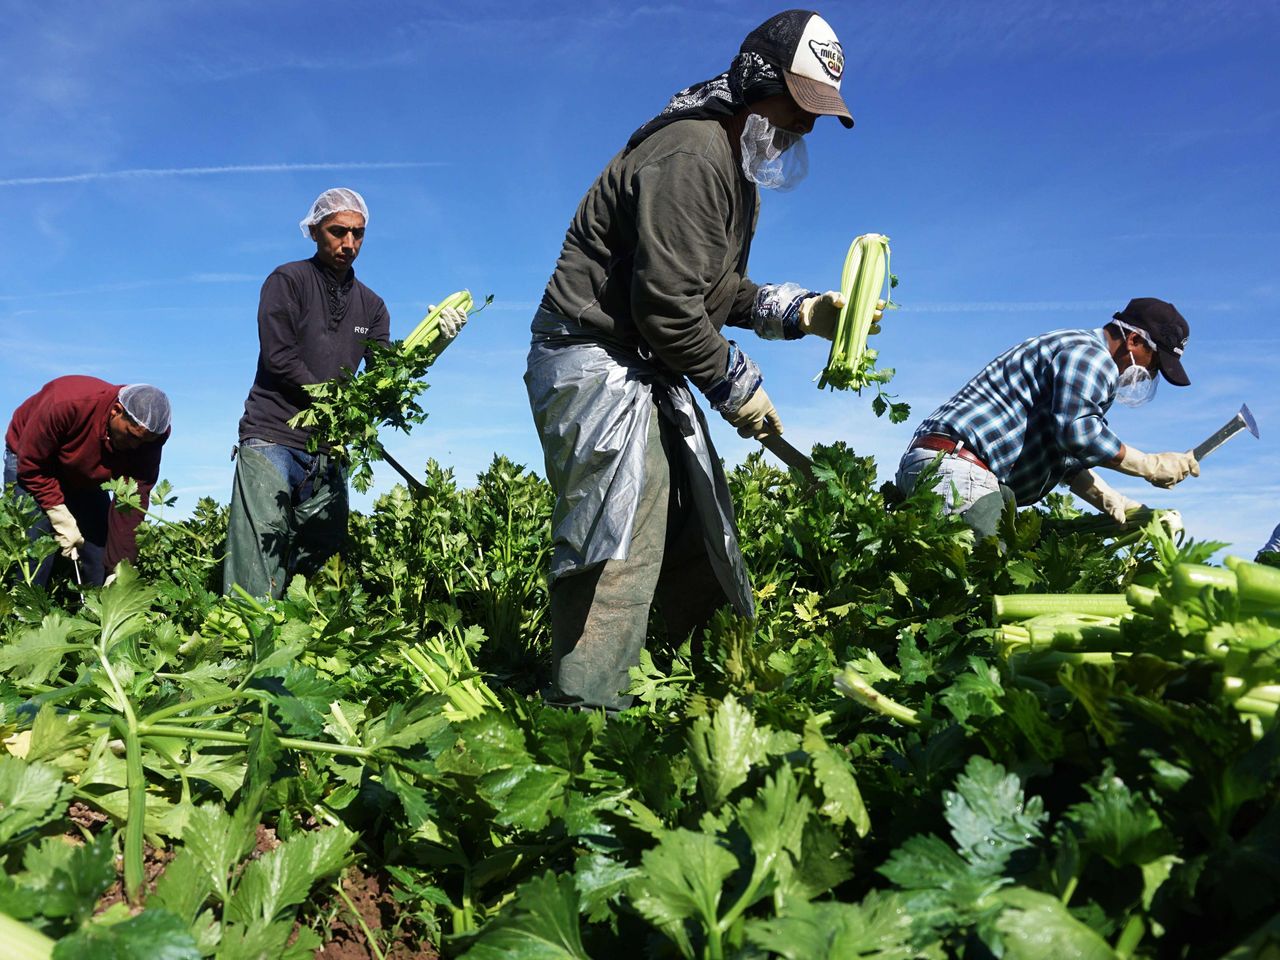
(1091, 488)
(818, 315)
(66, 531)
(1159, 469)
(757, 417)
(451, 321)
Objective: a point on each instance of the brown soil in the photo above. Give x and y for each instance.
(153, 864)
(379, 911)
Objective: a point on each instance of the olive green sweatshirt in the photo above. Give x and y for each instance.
(656, 254)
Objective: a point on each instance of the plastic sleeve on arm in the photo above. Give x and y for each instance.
(682, 215)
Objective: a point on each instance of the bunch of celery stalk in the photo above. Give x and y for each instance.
(1229, 615)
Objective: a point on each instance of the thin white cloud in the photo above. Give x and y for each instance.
(1023, 306)
(149, 173)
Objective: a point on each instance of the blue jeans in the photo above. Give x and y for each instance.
(288, 515)
(91, 510)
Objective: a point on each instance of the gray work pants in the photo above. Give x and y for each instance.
(288, 515)
(600, 616)
(968, 489)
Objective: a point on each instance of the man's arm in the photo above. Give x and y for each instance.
(682, 219)
(122, 526)
(379, 326)
(42, 440)
(1083, 386)
(279, 312)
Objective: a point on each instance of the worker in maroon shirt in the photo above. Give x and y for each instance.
(64, 443)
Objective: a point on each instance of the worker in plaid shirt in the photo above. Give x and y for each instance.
(1036, 417)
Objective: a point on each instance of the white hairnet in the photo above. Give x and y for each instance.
(330, 202)
(146, 404)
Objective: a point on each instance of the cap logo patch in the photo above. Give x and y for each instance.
(830, 55)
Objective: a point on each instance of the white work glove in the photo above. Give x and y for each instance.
(451, 321)
(757, 417)
(66, 531)
(1159, 469)
(818, 315)
(1172, 521)
(1092, 489)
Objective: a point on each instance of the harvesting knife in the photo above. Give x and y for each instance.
(1241, 421)
(792, 457)
(415, 484)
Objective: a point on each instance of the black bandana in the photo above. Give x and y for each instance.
(750, 78)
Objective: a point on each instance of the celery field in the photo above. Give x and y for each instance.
(924, 747)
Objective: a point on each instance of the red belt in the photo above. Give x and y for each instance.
(936, 441)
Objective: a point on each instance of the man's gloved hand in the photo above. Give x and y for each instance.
(1091, 488)
(66, 531)
(451, 321)
(757, 417)
(1172, 521)
(818, 315)
(1159, 469)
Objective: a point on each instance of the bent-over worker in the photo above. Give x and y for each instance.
(68, 439)
(1035, 417)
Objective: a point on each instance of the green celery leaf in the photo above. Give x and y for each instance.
(1034, 926)
(832, 771)
(974, 694)
(217, 841)
(540, 924)
(154, 934)
(990, 819)
(183, 887)
(774, 821)
(38, 653)
(682, 879)
(600, 880)
(878, 928)
(724, 748)
(1120, 825)
(123, 605)
(524, 795)
(31, 795)
(281, 878)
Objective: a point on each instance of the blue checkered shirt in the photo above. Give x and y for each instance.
(1036, 414)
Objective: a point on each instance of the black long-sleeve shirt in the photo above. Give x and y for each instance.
(311, 327)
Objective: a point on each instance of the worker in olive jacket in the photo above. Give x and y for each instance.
(653, 266)
(63, 443)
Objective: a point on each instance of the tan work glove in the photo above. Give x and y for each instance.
(757, 417)
(1159, 469)
(66, 531)
(1092, 489)
(818, 315)
(451, 321)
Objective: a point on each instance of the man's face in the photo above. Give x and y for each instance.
(784, 113)
(338, 238)
(125, 432)
(1141, 352)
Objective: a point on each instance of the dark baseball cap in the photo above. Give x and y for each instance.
(805, 47)
(1167, 329)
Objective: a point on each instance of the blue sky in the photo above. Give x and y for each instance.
(1036, 164)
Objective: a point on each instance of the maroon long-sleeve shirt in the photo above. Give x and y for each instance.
(59, 436)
